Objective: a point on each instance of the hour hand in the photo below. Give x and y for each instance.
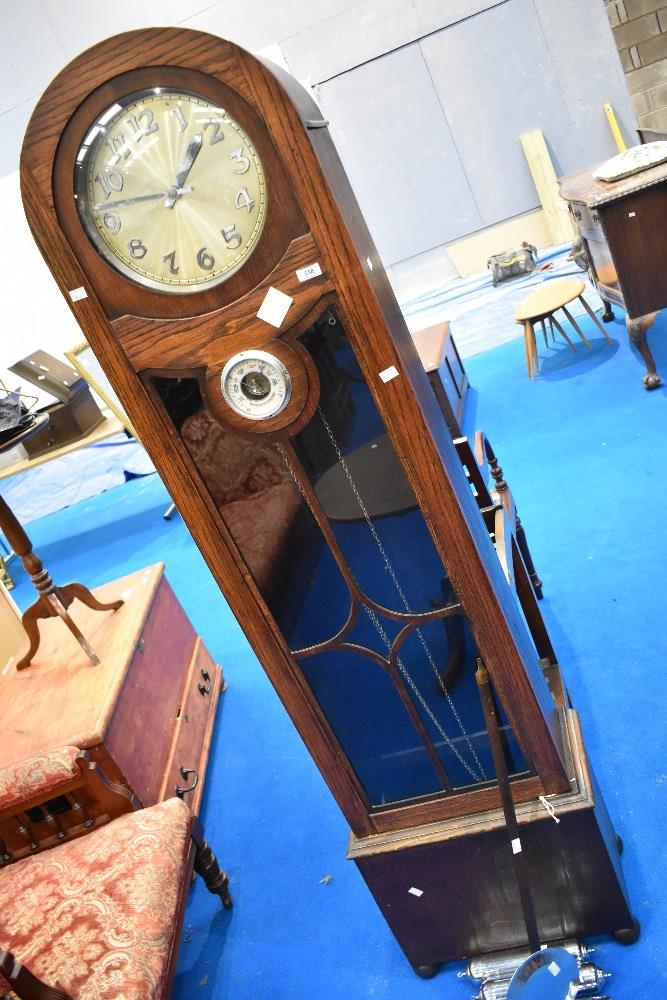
(184, 169)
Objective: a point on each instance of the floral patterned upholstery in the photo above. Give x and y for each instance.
(252, 489)
(95, 917)
(233, 467)
(260, 526)
(37, 775)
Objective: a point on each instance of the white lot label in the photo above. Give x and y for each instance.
(274, 307)
(306, 273)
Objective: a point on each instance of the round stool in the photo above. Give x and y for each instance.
(541, 305)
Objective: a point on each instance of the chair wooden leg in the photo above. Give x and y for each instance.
(526, 350)
(522, 542)
(206, 865)
(526, 344)
(594, 318)
(217, 881)
(563, 333)
(544, 333)
(576, 326)
(533, 342)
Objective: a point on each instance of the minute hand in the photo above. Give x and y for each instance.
(184, 169)
(140, 197)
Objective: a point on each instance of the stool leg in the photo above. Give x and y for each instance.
(562, 331)
(594, 318)
(534, 346)
(528, 337)
(544, 333)
(551, 327)
(576, 326)
(526, 344)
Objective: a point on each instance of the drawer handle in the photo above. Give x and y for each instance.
(205, 689)
(185, 772)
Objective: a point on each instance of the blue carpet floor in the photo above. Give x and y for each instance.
(582, 448)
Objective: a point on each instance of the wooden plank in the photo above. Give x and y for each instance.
(560, 225)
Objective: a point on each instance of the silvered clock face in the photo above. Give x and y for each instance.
(170, 190)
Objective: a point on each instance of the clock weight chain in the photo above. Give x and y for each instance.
(472, 765)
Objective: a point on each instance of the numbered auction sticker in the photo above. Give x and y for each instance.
(306, 273)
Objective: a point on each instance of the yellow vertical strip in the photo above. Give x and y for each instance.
(614, 126)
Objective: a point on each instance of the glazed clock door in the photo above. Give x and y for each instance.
(330, 530)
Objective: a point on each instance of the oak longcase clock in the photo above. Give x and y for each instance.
(192, 208)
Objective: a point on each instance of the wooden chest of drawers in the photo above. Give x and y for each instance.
(145, 713)
(439, 356)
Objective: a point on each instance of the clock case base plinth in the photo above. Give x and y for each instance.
(463, 868)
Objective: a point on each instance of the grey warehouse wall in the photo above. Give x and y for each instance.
(429, 132)
(426, 98)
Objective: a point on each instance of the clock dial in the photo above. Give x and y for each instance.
(170, 190)
(256, 384)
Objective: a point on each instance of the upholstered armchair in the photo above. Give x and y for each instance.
(99, 917)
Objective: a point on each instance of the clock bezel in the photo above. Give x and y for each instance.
(248, 356)
(105, 247)
(122, 295)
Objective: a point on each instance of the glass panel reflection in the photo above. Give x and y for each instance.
(396, 685)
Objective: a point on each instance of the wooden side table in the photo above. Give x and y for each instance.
(542, 305)
(442, 363)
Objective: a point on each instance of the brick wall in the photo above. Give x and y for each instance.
(640, 30)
